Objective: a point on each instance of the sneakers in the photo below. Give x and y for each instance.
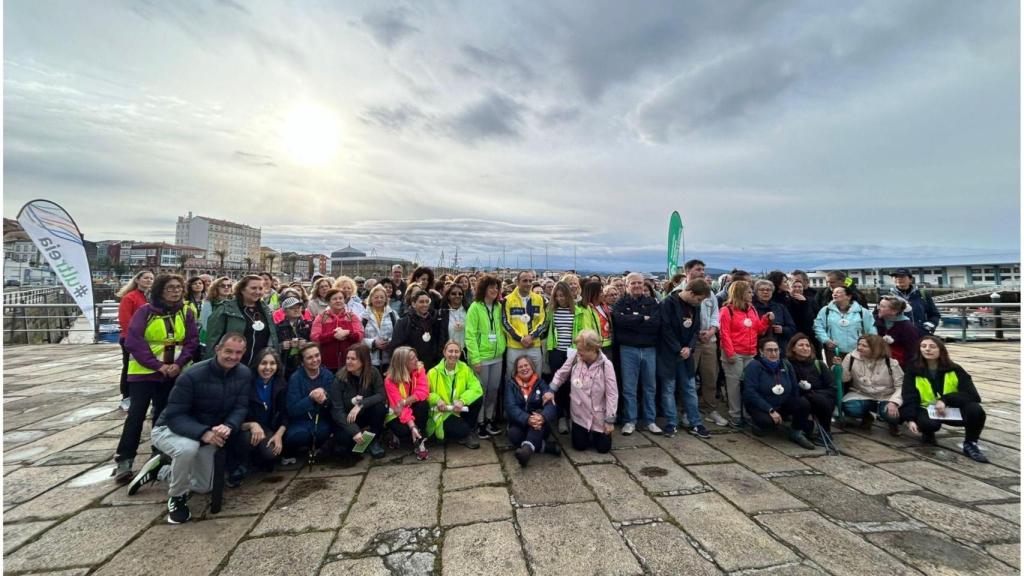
(492, 428)
(653, 428)
(737, 423)
(798, 438)
(700, 432)
(421, 450)
(470, 441)
(866, 421)
(235, 478)
(123, 472)
(125, 404)
(147, 475)
(894, 429)
(669, 431)
(481, 430)
(717, 419)
(972, 451)
(628, 429)
(177, 509)
(552, 448)
(563, 425)
(523, 454)
(376, 451)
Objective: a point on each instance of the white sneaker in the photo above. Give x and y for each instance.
(717, 418)
(125, 404)
(628, 428)
(563, 426)
(653, 428)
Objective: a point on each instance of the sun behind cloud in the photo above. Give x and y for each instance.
(311, 134)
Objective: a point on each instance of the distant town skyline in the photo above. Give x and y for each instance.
(786, 134)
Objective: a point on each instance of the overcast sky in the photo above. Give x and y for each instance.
(785, 133)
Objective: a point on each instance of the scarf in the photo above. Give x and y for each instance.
(773, 366)
(526, 387)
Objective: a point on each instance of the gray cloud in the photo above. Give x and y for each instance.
(394, 118)
(485, 63)
(494, 116)
(389, 26)
(250, 159)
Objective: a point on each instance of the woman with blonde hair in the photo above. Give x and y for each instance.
(133, 296)
(379, 323)
(875, 383)
(739, 328)
(408, 391)
(352, 301)
(594, 395)
(318, 296)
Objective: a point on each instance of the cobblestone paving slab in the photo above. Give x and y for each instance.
(1007, 553)
(787, 570)
(780, 441)
(372, 566)
(347, 467)
(457, 456)
(748, 491)
(198, 548)
(688, 449)
(63, 440)
(19, 437)
(586, 456)
(475, 505)
(837, 500)
(483, 550)
(67, 498)
(279, 555)
(868, 450)
(75, 417)
(664, 550)
(85, 540)
(621, 497)
(1001, 456)
(753, 455)
(17, 534)
(835, 549)
(958, 462)
(27, 483)
(656, 470)
(942, 480)
(933, 553)
(634, 440)
(394, 497)
(546, 480)
(955, 519)
(734, 540)
(472, 476)
(864, 477)
(309, 504)
(1009, 512)
(76, 457)
(591, 546)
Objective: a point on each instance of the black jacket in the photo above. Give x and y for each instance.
(278, 408)
(205, 396)
(758, 381)
(630, 327)
(818, 374)
(966, 392)
(344, 389)
(675, 335)
(286, 331)
(410, 330)
(782, 318)
(803, 313)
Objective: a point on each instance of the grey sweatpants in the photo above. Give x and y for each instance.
(191, 464)
(490, 381)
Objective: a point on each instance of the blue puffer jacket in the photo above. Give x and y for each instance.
(302, 411)
(843, 329)
(758, 381)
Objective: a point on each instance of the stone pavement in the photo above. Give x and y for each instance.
(735, 504)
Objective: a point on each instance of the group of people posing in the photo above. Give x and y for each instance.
(270, 371)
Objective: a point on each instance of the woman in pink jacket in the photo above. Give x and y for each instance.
(739, 329)
(594, 395)
(407, 389)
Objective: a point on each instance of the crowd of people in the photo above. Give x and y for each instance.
(272, 372)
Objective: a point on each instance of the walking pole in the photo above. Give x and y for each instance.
(312, 441)
(830, 446)
(217, 495)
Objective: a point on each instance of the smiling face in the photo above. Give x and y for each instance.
(802, 349)
(451, 354)
(267, 367)
(455, 297)
(929, 350)
(229, 354)
(252, 292)
(840, 297)
(797, 288)
(352, 363)
(145, 281)
(379, 299)
(311, 359)
(422, 304)
(413, 364)
(524, 369)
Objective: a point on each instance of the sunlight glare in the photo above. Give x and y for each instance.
(311, 134)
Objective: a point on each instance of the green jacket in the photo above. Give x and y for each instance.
(464, 386)
(577, 325)
(479, 330)
(592, 321)
(229, 318)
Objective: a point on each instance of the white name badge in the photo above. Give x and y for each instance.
(492, 338)
(525, 318)
(747, 322)
(844, 322)
(687, 323)
(426, 337)
(577, 383)
(778, 389)
(258, 326)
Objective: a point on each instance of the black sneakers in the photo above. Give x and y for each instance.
(147, 475)
(177, 509)
(481, 431)
(974, 453)
(492, 428)
(523, 454)
(123, 472)
(470, 441)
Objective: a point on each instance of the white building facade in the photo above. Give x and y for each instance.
(995, 270)
(239, 241)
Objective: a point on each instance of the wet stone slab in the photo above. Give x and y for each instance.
(620, 496)
(195, 548)
(67, 498)
(748, 491)
(483, 504)
(592, 546)
(687, 449)
(955, 519)
(656, 470)
(309, 504)
(483, 549)
(837, 500)
(62, 440)
(932, 553)
(664, 550)
(833, 548)
(753, 454)
(1001, 456)
(472, 476)
(546, 480)
(17, 534)
(864, 477)
(942, 480)
(1006, 553)
(787, 570)
(76, 457)
(868, 450)
(392, 497)
(457, 456)
(279, 555)
(372, 566)
(735, 541)
(85, 540)
(27, 483)
(956, 461)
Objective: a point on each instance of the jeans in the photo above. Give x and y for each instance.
(860, 408)
(638, 367)
(680, 376)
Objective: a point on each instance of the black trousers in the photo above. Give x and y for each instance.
(556, 358)
(239, 451)
(795, 407)
(583, 439)
(124, 369)
(141, 393)
(518, 434)
(372, 418)
(973, 421)
(420, 412)
(458, 426)
(822, 406)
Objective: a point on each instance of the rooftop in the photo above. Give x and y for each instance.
(893, 262)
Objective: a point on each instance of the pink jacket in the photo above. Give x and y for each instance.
(735, 334)
(420, 389)
(594, 395)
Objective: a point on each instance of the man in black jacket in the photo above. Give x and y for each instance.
(680, 327)
(204, 412)
(635, 318)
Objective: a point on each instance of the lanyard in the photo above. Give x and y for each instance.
(490, 315)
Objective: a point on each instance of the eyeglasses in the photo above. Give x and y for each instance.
(173, 288)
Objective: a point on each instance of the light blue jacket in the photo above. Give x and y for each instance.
(829, 325)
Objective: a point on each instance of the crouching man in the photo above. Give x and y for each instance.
(204, 412)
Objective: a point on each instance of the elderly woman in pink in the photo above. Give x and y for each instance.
(594, 395)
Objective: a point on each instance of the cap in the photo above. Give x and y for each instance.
(289, 302)
(902, 272)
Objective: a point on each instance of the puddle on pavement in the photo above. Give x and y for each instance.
(92, 477)
(302, 488)
(653, 472)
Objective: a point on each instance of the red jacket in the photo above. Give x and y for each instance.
(736, 336)
(130, 303)
(333, 350)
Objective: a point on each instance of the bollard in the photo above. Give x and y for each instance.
(963, 324)
(997, 314)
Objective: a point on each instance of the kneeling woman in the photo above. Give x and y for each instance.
(267, 419)
(814, 379)
(407, 390)
(454, 386)
(770, 393)
(875, 384)
(358, 402)
(934, 380)
(309, 403)
(594, 395)
(531, 409)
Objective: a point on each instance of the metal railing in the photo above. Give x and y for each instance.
(32, 295)
(56, 321)
(979, 321)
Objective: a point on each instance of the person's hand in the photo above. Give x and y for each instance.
(770, 316)
(548, 397)
(703, 336)
(534, 421)
(776, 417)
(210, 438)
(352, 414)
(684, 353)
(275, 444)
(256, 433)
(940, 407)
(380, 343)
(222, 430)
(831, 344)
(798, 297)
(358, 438)
(458, 406)
(837, 361)
(441, 406)
(893, 411)
(478, 367)
(912, 426)
(419, 365)
(318, 395)
(646, 318)
(777, 329)
(730, 359)
(415, 433)
(165, 369)
(527, 341)
(287, 344)
(173, 370)
(888, 339)
(929, 326)
(609, 428)
(341, 333)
